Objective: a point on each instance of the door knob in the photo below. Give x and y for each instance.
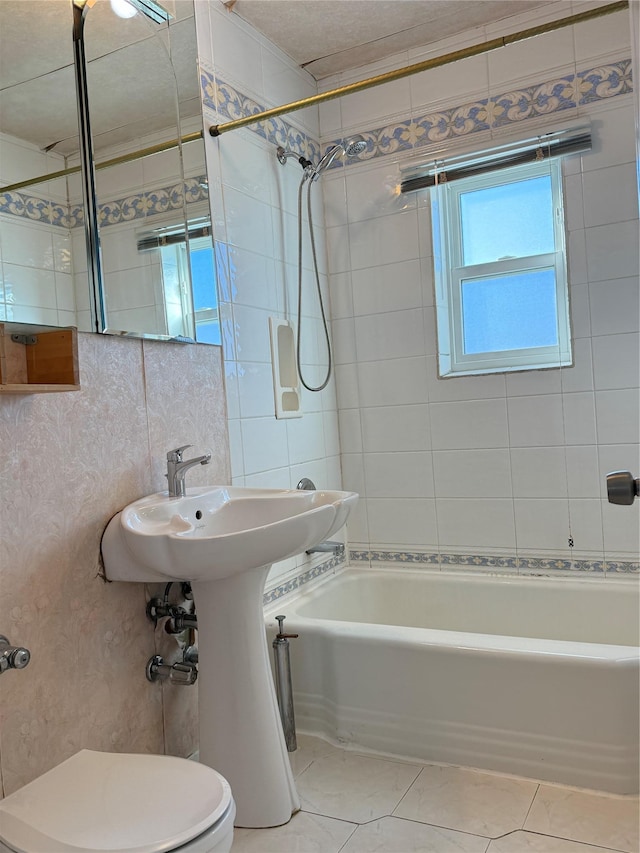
(622, 488)
(12, 657)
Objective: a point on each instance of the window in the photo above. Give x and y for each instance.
(203, 285)
(501, 283)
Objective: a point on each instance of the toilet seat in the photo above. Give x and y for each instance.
(98, 802)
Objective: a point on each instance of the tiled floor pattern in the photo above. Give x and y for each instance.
(362, 804)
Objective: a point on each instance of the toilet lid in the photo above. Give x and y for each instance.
(99, 802)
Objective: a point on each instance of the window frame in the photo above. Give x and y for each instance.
(450, 273)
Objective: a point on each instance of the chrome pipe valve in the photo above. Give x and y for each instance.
(328, 547)
(12, 657)
(179, 619)
(181, 674)
(284, 689)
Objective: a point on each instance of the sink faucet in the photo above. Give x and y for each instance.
(177, 467)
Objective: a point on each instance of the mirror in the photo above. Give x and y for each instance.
(153, 210)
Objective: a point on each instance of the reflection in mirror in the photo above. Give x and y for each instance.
(37, 98)
(138, 99)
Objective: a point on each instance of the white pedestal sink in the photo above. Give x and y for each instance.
(224, 540)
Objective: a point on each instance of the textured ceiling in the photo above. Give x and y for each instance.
(131, 83)
(327, 36)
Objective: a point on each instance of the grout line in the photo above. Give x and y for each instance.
(355, 829)
(533, 799)
(393, 814)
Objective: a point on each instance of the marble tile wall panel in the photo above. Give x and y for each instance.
(69, 462)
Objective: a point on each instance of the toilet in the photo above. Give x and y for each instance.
(100, 802)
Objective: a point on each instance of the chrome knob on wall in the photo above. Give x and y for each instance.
(622, 488)
(12, 657)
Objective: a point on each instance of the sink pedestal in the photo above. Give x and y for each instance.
(240, 730)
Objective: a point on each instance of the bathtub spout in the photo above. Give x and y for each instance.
(330, 547)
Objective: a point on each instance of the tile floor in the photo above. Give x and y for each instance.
(359, 803)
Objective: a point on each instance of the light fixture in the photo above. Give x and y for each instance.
(152, 10)
(123, 8)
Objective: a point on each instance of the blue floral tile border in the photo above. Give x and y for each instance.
(227, 102)
(511, 563)
(551, 96)
(37, 209)
(515, 564)
(543, 99)
(278, 592)
(143, 204)
(127, 209)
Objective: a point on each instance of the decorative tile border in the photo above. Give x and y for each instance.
(552, 96)
(127, 209)
(227, 102)
(143, 204)
(511, 563)
(37, 209)
(509, 108)
(312, 574)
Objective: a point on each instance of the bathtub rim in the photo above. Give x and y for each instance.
(458, 640)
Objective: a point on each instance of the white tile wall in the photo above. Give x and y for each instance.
(402, 522)
(615, 306)
(515, 461)
(473, 473)
(480, 523)
(35, 272)
(390, 383)
(386, 239)
(380, 427)
(387, 288)
(616, 361)
(398, 475)
(612, 251)
(610, 195)
(470, 424)
(255, 205)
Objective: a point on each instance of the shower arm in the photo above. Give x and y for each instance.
(283, 155)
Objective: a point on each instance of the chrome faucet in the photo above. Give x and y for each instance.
(177, 467)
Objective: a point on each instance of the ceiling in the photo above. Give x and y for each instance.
(328, 36)
(130, 80)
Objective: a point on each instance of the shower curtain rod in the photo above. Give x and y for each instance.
(115, 161)
(408, 70)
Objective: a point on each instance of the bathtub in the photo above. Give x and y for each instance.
(529, 676)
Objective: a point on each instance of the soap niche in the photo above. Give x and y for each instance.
(38, 359)
(286, 383)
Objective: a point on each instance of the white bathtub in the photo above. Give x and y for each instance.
(530, 676)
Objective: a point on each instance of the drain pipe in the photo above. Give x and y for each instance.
(284, 691)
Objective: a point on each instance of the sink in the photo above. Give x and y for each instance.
(213, 532)
(223, 539)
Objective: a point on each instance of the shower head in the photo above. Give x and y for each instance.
(352, 146)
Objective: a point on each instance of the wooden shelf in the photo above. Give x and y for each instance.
(38, 359)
